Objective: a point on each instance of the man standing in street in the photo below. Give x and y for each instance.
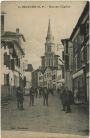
(63, 98)
(18, 97)
(32, 96)
(45, 96)
(69, 100)
(21, 100)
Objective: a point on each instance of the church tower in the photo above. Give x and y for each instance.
(49, 59)
(49, 48)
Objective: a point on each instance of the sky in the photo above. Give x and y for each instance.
(32, 19)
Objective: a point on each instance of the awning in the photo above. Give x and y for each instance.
(77, 74)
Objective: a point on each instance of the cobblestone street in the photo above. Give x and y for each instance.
(41, 118)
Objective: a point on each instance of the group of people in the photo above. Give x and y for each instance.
(42, 92)
(32, 93)
(66, 97)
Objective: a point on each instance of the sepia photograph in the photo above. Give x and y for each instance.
(44, 69)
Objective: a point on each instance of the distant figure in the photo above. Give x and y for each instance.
(18, 97)
(40, 92)
(21, 101)
(51, 91)
(58, 90)
(76, 96)
(69, 100)
(45, 96)
(63, 98)
(32, 96)
(36, 92)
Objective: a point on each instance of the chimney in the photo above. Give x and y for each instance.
(17, 30)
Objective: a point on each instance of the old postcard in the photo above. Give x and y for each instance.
(44, 69)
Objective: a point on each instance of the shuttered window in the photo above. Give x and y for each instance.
(66, 62)
(6, 79)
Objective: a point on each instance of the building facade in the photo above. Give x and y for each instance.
(40, 78)
(12, 54)
(28, 76)
(80, 39)
(68, 62)
(35, 76)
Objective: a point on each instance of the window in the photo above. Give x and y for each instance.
(53, 77)
(6, 59)
(12, 64)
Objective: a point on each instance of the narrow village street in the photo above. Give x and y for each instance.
(39, 118)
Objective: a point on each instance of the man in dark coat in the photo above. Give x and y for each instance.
(45, 96)
(36, 92)
(32, 96)
(18, 97)
(21, 100)
(69, 100)
(63, 98)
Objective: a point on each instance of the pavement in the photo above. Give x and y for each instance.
(43, 119)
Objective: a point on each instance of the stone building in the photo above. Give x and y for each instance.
(76, 57)
(12, 54)
(80, 40)
(35, 76)
(68, 62)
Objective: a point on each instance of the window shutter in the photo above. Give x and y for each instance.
(7, 79)
(5, 58)
(12, 64)
(24, 81)
(66, 62)
(4, 79)
(8, 61)
(62, 55)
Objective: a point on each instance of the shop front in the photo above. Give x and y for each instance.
(79, 86)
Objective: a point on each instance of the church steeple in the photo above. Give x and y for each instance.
(49, 32)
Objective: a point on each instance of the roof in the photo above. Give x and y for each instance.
(86, 9)
(13, 34)
(52, 68)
